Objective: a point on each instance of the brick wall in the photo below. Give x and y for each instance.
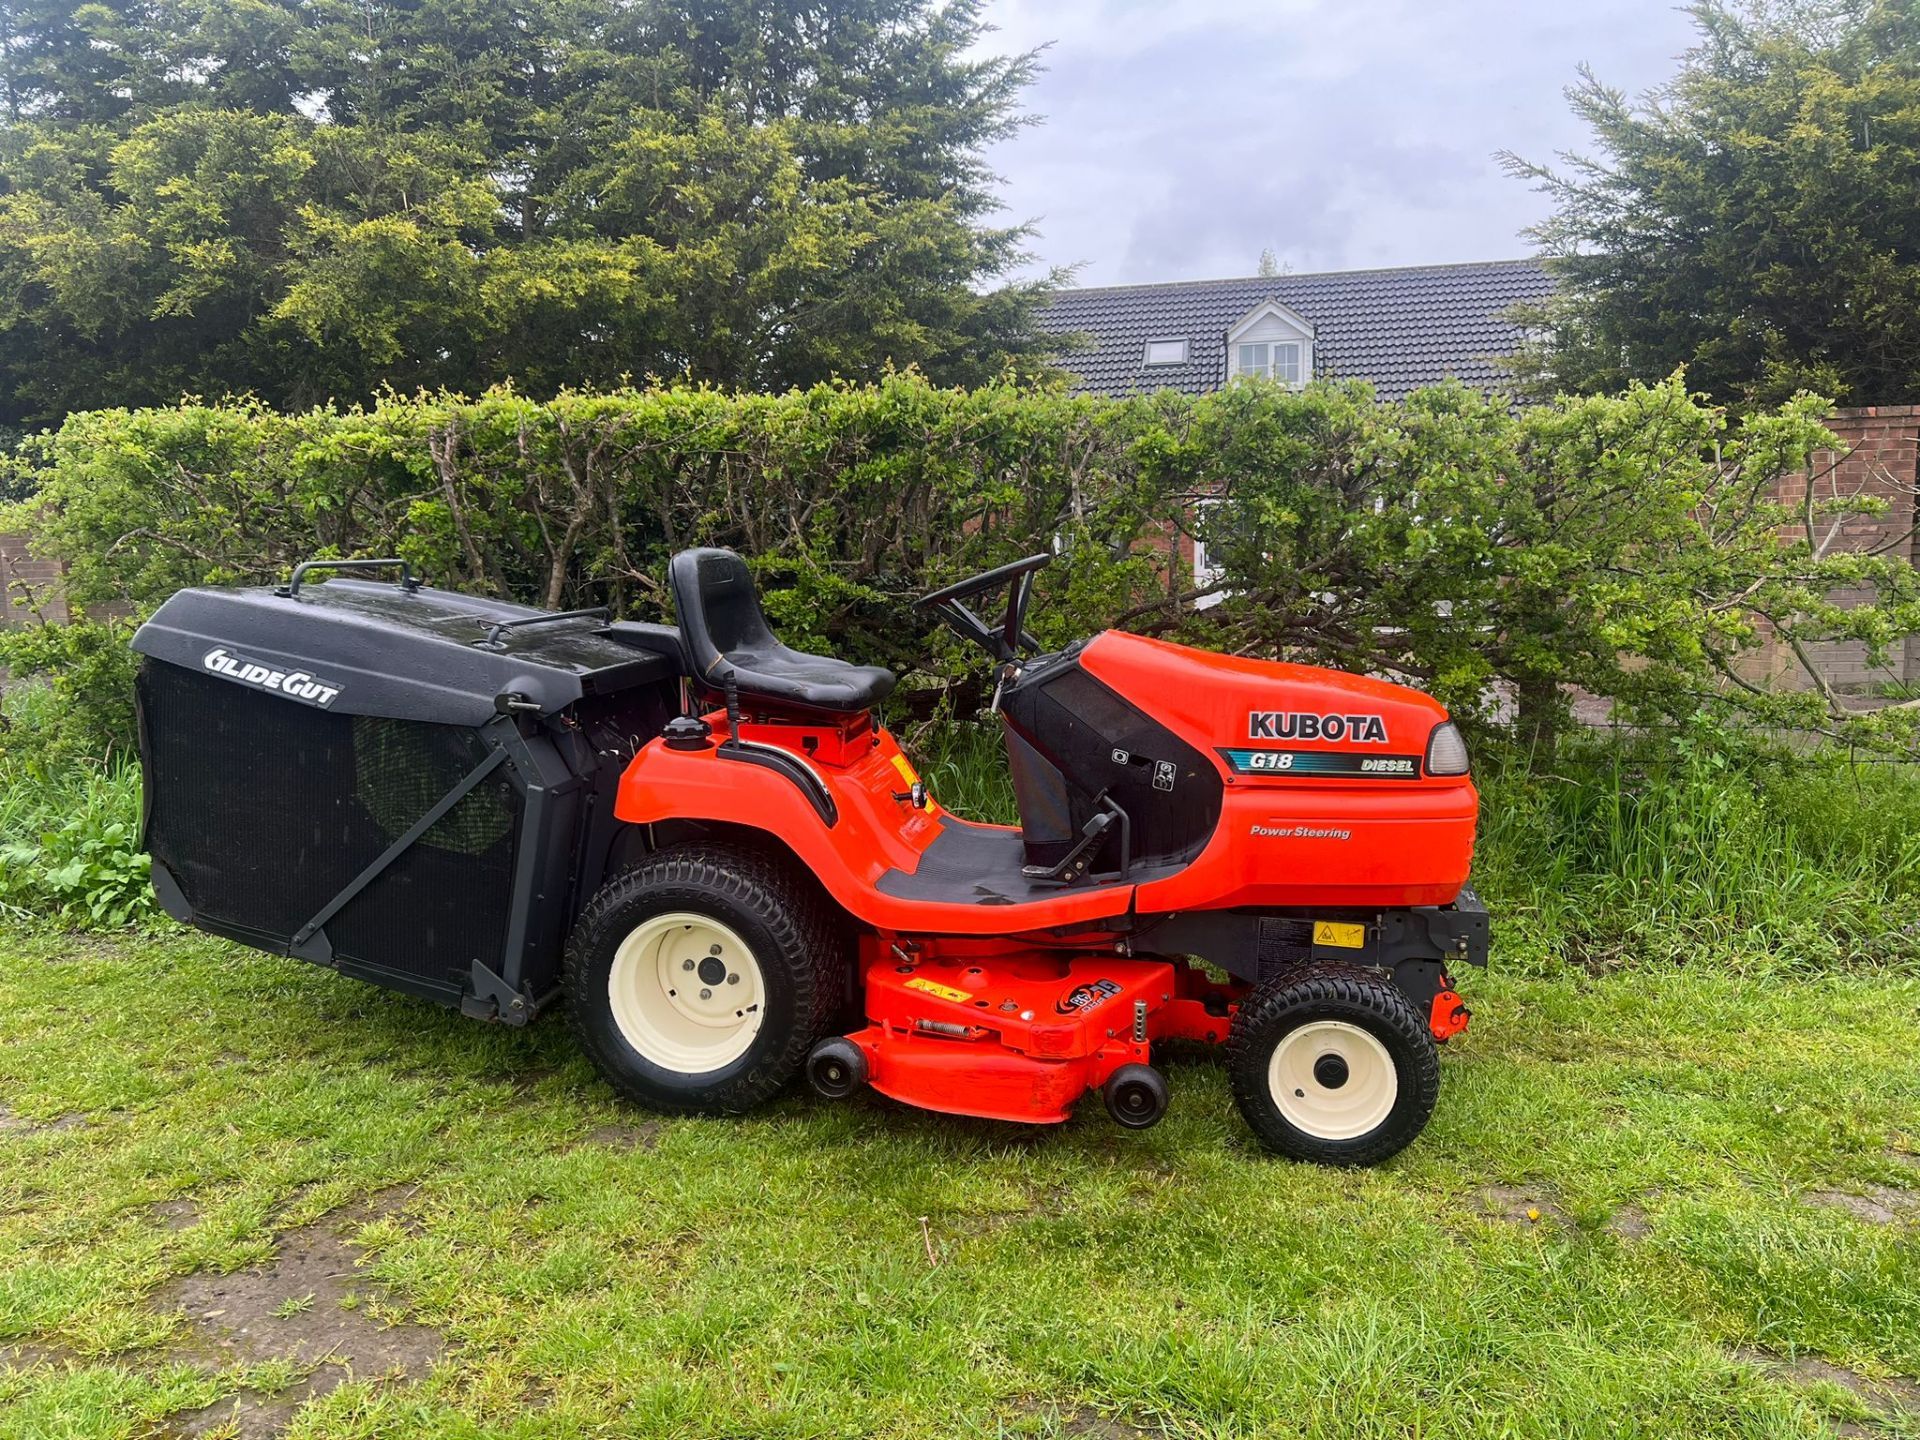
(1879, 459)
(27, 581)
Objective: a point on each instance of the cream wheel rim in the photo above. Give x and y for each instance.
(1332, 1080)
(686, 992)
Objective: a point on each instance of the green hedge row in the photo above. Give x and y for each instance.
(1639, 546)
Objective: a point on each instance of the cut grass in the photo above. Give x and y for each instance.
(595, 1271)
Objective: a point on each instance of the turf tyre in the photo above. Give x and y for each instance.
(1330, 1000)
(795, 941)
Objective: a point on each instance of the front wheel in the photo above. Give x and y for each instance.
(699, 979)
(1333, 1064)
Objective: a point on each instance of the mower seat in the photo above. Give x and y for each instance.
(727, 638)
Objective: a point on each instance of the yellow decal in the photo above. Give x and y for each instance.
(1345, 937)
(901, 763)
(934, 987)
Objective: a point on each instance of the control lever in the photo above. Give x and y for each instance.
(1008, 672)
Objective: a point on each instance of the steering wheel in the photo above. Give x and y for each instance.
(1003, 643)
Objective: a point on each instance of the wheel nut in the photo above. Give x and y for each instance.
(733, 979)
(706, 994)
(713, 950)
(686, 964)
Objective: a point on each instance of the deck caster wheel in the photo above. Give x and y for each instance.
(1136, 1096)
(836, 1067)
(1333, 1064)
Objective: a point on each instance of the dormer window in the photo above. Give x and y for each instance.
(1273, 342)
(1166, 352)
(1278, 360)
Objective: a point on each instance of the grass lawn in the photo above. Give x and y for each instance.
(241, 1192)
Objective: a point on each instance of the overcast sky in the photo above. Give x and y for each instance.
(1180, 137)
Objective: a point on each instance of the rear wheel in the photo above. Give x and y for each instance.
(1333, 1064)
(699, 979)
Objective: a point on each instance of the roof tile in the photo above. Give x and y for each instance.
(1400, 329)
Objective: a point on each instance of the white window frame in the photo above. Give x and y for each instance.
(1146, 355)
(1281, 326)
(1205, 573)
(1270, 365)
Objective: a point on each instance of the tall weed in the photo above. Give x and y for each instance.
(965, 767)
(69, 830)
(70, 696)
(1625, 854)
(1620, 854)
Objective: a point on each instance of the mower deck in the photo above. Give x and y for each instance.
(1022, 1034)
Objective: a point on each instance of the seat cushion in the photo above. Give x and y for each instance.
(817, 681)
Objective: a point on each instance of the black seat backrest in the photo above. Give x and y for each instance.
(719, 609)
(728, 642)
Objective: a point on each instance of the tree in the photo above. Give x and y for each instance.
(1756, 219)
(1642, 547)
(311, 199)
(1269, 264)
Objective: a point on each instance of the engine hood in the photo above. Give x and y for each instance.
(1263, 717)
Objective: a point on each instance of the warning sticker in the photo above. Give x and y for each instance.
(934, 987)
(1342, 936)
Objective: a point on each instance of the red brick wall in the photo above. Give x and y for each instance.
(27, 582)
(1879, 460)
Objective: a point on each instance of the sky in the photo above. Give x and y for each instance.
(1179, 138)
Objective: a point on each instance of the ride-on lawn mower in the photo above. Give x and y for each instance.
(708, 844)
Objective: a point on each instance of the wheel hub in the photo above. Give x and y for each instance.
(1333, 1080)
(1330, 1070)
(686, 992)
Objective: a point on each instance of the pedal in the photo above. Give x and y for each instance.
(1075, 862)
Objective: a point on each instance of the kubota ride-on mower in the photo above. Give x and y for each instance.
(709, 845)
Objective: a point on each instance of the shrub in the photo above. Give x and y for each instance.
(1641, 546)
(76, 702)
(850, 501)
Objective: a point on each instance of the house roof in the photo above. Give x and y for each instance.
(1400, 329)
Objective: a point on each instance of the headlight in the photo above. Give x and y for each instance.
(1446, 751)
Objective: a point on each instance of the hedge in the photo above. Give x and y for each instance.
(1642, 546)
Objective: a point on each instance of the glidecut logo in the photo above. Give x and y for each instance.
(1300, 725)
(1083, 998)
(294, 684)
